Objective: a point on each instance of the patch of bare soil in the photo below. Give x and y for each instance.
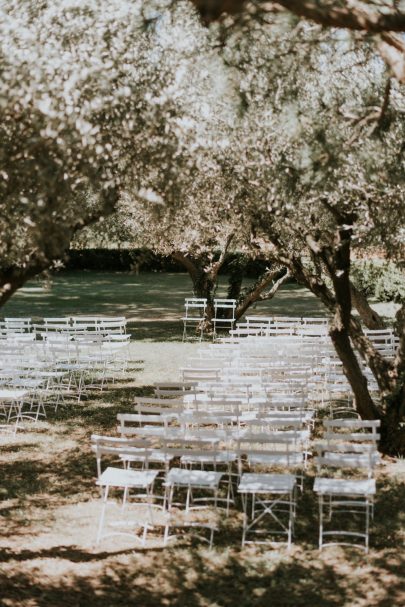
(49, 510)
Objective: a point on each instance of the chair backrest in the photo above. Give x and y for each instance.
(297, 437)
(200, 374)
(130, 423)
(266, 423)
(280, 448)
(17, 325)
(352, 430)
(353, 456)
(142, 403)
(225, 304)
(195, 305)
(54, 325)
(117, 446)
(174, 389)
(213, 417)
(190, 446)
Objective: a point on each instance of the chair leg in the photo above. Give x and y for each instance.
(290, 521)
(211, 538)
(188, 499)
(320, 521)
(367, 525)
(102, 516)
(245, 517)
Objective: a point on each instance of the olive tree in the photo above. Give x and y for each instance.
(202, 232)
(378, 21)
(89, 107)
(323, 175)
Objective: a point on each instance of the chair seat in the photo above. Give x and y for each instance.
(359, 460)
(194, 478)
(159, 457)
(277, 459)
(266, 483)
(119, 477)
(219, 458)
(224, 319)
(195, 318)
(348, 487)
(12, 395)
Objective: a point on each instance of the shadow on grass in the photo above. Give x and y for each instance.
(63, 476)
(192, 577)
(152, 302)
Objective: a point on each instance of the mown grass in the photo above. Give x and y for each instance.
(152, 302)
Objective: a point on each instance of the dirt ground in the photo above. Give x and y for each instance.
(49, 509)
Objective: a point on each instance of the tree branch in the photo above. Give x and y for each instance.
(370, 317)
(255, 293)
(390, 46)
(216, 266)
(187, 263)
(326, 14)
(347, 17)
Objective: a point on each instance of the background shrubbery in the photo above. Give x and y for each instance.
(382, 280)
(379, 279)
(145, 260)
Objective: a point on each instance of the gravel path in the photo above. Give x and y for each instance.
(160, 361)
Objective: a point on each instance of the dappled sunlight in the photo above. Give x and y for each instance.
(152, 302)
(49, 508)
(190, 575)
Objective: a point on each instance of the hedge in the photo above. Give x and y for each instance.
(126, 260)
(380, 279)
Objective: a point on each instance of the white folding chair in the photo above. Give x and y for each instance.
(272, 497)
(224, 314)
(189, 480)
(140, 514)
(340, 495)
(195, 314)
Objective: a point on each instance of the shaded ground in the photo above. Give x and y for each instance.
(49, 504)
(49, 507)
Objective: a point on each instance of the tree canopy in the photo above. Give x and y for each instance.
(93, 101)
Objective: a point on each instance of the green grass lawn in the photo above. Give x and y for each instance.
(153, 302)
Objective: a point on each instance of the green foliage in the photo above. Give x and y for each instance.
(146, 260)
(380, 279)
(120, 260)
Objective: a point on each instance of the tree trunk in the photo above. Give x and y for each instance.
(204, 282)
(237, 273)
(393, 427)
(13, 279)
(364, 403)
(370, 317)
(205, 285)
(257, 291)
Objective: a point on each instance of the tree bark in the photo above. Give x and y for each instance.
(256, 293)
(326, 14)
(370, 317)
(364, 403)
